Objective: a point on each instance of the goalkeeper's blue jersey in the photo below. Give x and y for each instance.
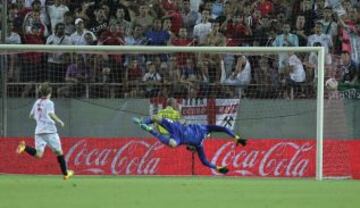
(185, 134)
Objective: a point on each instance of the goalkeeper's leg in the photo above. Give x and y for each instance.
(165, 139)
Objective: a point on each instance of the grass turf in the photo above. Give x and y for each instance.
(108, 192)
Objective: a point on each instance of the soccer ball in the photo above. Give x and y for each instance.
(331, 84)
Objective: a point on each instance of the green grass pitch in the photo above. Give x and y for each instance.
(226, 192)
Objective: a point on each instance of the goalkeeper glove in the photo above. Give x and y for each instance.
(240, 140)
(222, 169)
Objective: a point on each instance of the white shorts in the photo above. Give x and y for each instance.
(52, 140)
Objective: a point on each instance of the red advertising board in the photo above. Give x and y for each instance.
(134, 156)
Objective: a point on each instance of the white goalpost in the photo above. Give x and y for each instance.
(258, 51)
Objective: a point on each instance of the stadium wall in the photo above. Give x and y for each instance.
(135, 156)
(112, 118)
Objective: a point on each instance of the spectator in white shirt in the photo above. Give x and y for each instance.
(202, 29)
(56, 13)
(324, 39)
(296, 75)
(57, 62)
(283, 40)
(241, 76)
(78, 37)
(151, 78)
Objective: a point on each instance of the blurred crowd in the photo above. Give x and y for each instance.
(333, 24)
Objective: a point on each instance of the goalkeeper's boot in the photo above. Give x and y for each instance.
(222, 169)
(146, 127)
(139, 122)
(240, 140)
(21, 147)
(69, 174)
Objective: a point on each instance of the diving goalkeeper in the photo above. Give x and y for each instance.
(188, 134)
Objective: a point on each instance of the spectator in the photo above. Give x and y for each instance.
(119, 19)
(32, 62)
(202, 29)
(182, 40)
(295, 75)
(69, 23)
(166, 26)
(189, 71)
(76, 74)
(157, 36)
(56, 13)
(285, 39)
(215, 37)
(300, 31)
(329, 26)
(78, 37)
(144, 18)
(248, 17)
(349, 70)
(84, 11)
(189, 17)
(12, 38)
(30, 3)
(136, 37)
(309, 14)
(168, 5)
(217, 8)
(241, 76)
(235, 30)
(133, 77)
(325, 40)
(98, 24)
(34, 18)
(265, 7)
(204, 79)
(57, 62)
(266, 79)
(151, 80)
(227, 14)
(176, 20)
(195, 5)
(114, 36)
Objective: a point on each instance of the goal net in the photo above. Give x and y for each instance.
(285, 94)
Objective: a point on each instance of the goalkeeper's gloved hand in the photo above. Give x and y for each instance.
(191, 148)
(241, 141)
(222, 169)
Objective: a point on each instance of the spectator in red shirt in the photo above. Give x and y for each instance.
(265, 7)
(182, 40)
(235, 30)
(134, 72)
(114, 36)
(33, 61)
(169, 5)
(176, 20)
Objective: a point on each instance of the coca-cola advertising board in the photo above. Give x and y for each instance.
(135, 156)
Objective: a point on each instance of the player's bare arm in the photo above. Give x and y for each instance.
(56, 119)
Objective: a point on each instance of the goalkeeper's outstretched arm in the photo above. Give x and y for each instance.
(203, 159)
(216, 128)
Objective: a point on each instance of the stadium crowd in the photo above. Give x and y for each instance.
(334, 24)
